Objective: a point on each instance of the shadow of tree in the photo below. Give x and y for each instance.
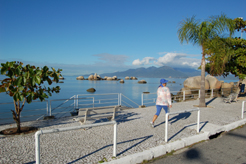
(193, 154)
(211, 100)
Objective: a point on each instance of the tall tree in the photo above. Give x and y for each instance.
(227, 55)
(191, 30)
(26, 83)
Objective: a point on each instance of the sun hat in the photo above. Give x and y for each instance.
(162, 81)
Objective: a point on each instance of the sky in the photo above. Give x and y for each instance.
(104, 36)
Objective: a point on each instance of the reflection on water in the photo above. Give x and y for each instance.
(131, 88)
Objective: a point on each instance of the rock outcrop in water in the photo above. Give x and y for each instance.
(91, 90)
(142, 82)
(98, 77)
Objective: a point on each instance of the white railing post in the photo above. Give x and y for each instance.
(77, 103)
(212, 94)
(93, 102)
(120, 99)
(38, 133)
(37, 146)
(166, 127)
(74, 102)
(242, 109)
(47, 107)
(198, 121)
(50, 107)
(191, 110)
(183, 95)
(115, 141)
(142, 99)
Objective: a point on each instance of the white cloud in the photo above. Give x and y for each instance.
(170, 59)
(145, 61)
(193, 64)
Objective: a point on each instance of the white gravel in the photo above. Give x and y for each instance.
(95, 144)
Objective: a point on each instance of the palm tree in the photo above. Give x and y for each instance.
(191, 30)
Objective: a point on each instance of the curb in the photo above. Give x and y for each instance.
(160, 150)
(167, 148)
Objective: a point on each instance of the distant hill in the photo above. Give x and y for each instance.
(189, 71)
(154, 72)
(161, 72)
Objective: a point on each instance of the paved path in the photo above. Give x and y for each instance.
(228, 148)
(136, 140)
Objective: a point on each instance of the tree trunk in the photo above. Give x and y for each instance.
(16, 116)
(202, 92)
(18, 123)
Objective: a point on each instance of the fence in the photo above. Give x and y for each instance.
(65, 107)
(110, 99)
(242, 109)
(172, 113)
(185, 95)
(38, 133)
(33, 111)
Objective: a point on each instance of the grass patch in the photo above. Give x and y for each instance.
(103, 160)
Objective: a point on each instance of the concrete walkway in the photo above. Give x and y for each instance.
(136, 139)
(229, 147)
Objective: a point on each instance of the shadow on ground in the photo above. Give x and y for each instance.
(142, 139)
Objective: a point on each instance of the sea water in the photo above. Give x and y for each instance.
(70, 87)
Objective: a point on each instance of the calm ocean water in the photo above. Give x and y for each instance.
(131, 89)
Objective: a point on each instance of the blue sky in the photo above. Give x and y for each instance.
(104, 36)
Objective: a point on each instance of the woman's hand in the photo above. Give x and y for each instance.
(170, 106)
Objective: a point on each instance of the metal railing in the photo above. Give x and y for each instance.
(109, 99)
(177, 96)
(38, 133)
(33, 111)
(63, 107)
(99, 100)
(242, 109)
(185, 111)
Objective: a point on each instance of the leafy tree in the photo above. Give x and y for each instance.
(191, 30)
(26, 83)
(227, 55)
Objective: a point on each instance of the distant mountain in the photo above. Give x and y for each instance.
(154, 72)
(189, 71)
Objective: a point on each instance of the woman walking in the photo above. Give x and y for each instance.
(163, 99)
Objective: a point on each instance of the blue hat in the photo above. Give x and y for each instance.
(162, 81)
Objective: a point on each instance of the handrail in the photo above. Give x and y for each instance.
(127, 103)
(26, 111)
(182, 95)
(185, 111)
(38, 133)
(129, 99)
(66, 100)
(242, 109)
(61, 103)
